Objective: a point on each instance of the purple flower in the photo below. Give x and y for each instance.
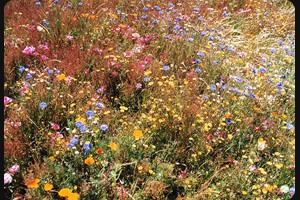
(166, 68)
(198, 70)
(21, 69)
(289, 126)
(213, 87)
(90, 113)
(100, 105)
(104, 127)
(43, 105)
(87, 146)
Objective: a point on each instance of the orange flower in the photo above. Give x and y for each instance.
(99, 151)
(137, 134)
(113, 146)
(89, 161)
(33, 183)
(48, 187)
(65, 192)
(61, 77)
(275, 114)
(227, 115)
(52, 158)
(73, 196)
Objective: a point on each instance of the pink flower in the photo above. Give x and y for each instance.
(7, 178)
(7, 100)
(28, 50)
(114, 73)
(69, 79)
(142, 67)
(69, 37)
(44, 57)
(128, 53)
(55, 126)
(252, 167)
(14, 169)
(138, 86)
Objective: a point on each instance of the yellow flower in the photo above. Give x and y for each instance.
(33, 183)
(229, 136)
(73, 196)
(137, 134)
(61, 77)
(89, 161)
(65, 192)
(113, 146)
(48, 187)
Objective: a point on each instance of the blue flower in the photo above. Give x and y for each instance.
(87, 146)
(228, 121)
(104, 127)
(225, 14)
(213, 87)
(200, 53)
(224, 87)
(161, 12)
(69, 5)
(232, 49)
(145, 9)
(21, 69)
(166, 68)
(154, 21)
(157, 8)
(215, 62)
(263, 70)
(144, 16)
(254, 70)
(200, 19)
(50, 71)
(190, 39)
(46, 22)
(270, 79)
(38, 3)
(286, 49)
(289, 126)
(82, 129)
(273, 50)
(90, 113)
(283, 76)
(78, 124)
(196, 9)
(174, 11)
(55, 1)
(281, 43)
(43, 105)
(292, 53)
(292, 191)
(279, 85)
(251, 96)
(74, 140)
(198, 61)
(222, 47)
(203, 33)
(100, 105)
(198, 70)
(170, 4)
(80, 4)
(211, 38)
(146, 79)
(28, 76)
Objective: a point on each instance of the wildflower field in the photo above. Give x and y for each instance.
(175, 100)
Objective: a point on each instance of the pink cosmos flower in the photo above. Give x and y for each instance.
(14, 169)
(69, 37)
(55, 126)
(7, 100)
(7, 178)
(138, 86)
(28, 50)
(44, 57)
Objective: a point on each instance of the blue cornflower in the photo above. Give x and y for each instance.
(292, 53)
(90, 113)
(292, 191)
(161, 12)
(251, 96)
(273, 50)
(154, 21)
(170, 4)
(198, 70)
(289, 126)
(87, 146)
(225, 14)
(232, 49)
(83, 129)
(78, 124)
(198, 61)
(202, 33)
(281, 43)
(213, 87)
(190, 39)
(279, 85)
(146, 79)
(207, 28)
(283, 76)
(69, 5)
(286, 49)
(270, 79)
(215, 62)
(200, 19)
(196, 9)
(200, 53)
(223, 87)
(43, 105)
(55, 1)
(157, 8)
(28, 76)
(100, 105)
(174, 11)
(46, 22)
(104, 127)
(166, 68)
(211, 38)
(238, 79)
(254, 70)
(50, 71)
(80, 4)
(74, 140)
(168, 37)
(228, 121)
(222, 47)
(144, 16)
(145, 9)
(21, 69)
(38, 3)
(263, 70)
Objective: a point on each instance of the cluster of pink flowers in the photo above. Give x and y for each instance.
(11, 171)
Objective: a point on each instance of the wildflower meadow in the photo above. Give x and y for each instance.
(149, 99)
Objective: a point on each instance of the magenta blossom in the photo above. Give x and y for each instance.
(28, 50)
(14, 169)
(138, 86)
(55, 126)
(7, 100)
(69, 37)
